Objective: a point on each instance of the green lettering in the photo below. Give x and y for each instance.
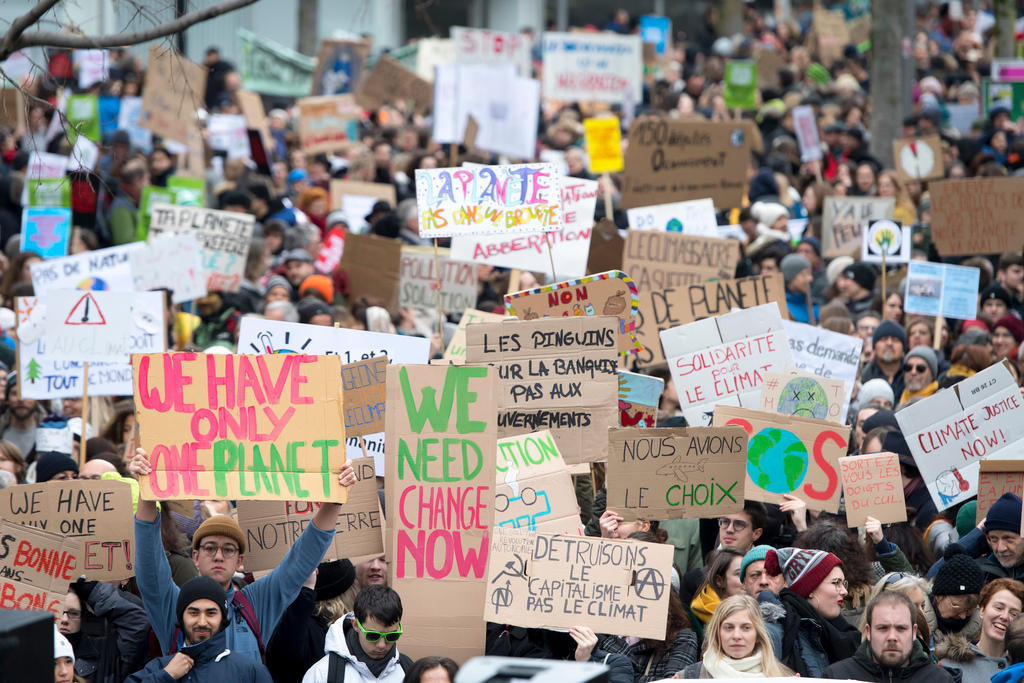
(466, 473)
(277, 465)
(241, 474)
(425, 458)
(428, 410)
(325, 465)
(405, 455)
(463, 425)
(261, 472)
(293, 467)
(224, 456)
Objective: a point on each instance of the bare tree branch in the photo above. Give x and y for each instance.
(18, 26)
(15, 41)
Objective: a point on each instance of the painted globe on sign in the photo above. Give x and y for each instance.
(93, 283)
(776, 460)
(804, 397)
(674, 225)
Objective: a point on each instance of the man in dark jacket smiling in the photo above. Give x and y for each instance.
(891, 651)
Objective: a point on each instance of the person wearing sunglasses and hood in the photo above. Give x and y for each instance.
(361, 646)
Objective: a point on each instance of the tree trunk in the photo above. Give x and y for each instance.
(730, 18)
(309, 38)
(1006, 17)
(886, 77)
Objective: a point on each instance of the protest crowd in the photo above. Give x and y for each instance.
(625, 346)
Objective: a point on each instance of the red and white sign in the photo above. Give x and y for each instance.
(88, 325)
(807, 133)
(481, 46)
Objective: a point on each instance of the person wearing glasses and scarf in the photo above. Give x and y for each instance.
(361, 646)
(920, 373)
(804, 620)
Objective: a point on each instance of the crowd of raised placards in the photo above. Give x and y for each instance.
(621, 345)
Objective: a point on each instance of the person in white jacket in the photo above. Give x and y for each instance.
(361, 646)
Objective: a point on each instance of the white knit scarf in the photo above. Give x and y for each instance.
(720, 666)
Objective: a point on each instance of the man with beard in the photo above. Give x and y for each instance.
(22, 419)
(891, 650)
(890, 344)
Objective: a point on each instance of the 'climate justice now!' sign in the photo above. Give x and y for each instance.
(265, 427)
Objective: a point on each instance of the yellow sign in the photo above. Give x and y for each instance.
(604, 144)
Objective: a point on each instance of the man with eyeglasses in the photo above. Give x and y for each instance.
(202, 614)
(119, 647)
(920, 373)
(218, 551)
(364, 641)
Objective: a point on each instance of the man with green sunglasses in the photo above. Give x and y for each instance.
(361, 646)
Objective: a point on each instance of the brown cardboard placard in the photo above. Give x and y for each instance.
(534, 488)
(175, 88)
(606, 246)
(362, 395)
(553, 373)
(859, 28)
(617, 586)
(774, 440)
(918, 158)
(804, 394)
(674, 306)
(12, 108)
(353, 53)
(422, 268)
(456, 351)
(673, 161)
(832, 34)
(380, 191)
(676, 473)
(240, 427)
(251, 105)
(324, 122)
(38, 585)
(93, 517)
(872, 487)
(768, 64)
(845, 218)
(976, 216)
(472, 130)
(996, 477)
(610, 293)
(371, 265)
(390, 81)
(272, 526)
(657, 260)
(440, 442)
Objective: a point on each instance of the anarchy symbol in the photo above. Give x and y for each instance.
(649, 584)
(502, 597)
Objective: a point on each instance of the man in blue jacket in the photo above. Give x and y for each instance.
(218, 551)
(202, 614)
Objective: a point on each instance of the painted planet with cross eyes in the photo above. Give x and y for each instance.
(803, 397)
(776, 460)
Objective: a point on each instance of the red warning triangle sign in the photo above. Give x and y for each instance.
(86, 312)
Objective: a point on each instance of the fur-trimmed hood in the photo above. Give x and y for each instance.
(955, 646)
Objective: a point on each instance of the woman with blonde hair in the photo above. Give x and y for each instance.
(889, 185)
(736, 644)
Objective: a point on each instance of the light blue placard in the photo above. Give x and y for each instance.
(655, 29)
(939, 289)
(46, 230)
(960, 292)
(643, 390)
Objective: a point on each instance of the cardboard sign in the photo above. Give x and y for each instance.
(529, 251)
(229, 133)
(794, 455)
(327, 123)
(660, 260)
(832, 34)
(482, 46)
(996, 477)
(372, 264)
(723, 360)
(46, 231)
(676, 473)
(611, 293)
(845, 218)
(671, 307)
(271, 527)
(265, 427)
(826, 354)
(940, 289)
(488, 199)
(418, 278)
(534, 489)
(88, 326)
(740, 90)
(696, 217)
(603, 140)
(639, 396)
(356, 199)
(606, 247)
(431, 53)
(362, 395)
(554, 373)
(806, 127)
(339, 66)
(45, 377)
(950, 432)
(92, 520)
(441, 440)
(592, 67)
(223, 235)
(976, 216)
(104, 269)
(918, 158)
(872, 487)
(803, 394)
(257, 335)
(174, 90)
(886, 237)
(670, 161)
(39, 585)
(456, 351)
(171, 261)
(540, 580)
(390, 81)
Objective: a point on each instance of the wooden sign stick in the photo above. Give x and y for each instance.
(608, 207)
(551, 255)
(437, 273)
(885, 294)
(937, 341)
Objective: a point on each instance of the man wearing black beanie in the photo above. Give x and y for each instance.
(202, 611)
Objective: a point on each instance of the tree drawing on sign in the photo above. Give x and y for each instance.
(86, 312)
(34, 371)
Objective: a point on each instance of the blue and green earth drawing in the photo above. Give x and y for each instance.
(804, 397)
(776, 460)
